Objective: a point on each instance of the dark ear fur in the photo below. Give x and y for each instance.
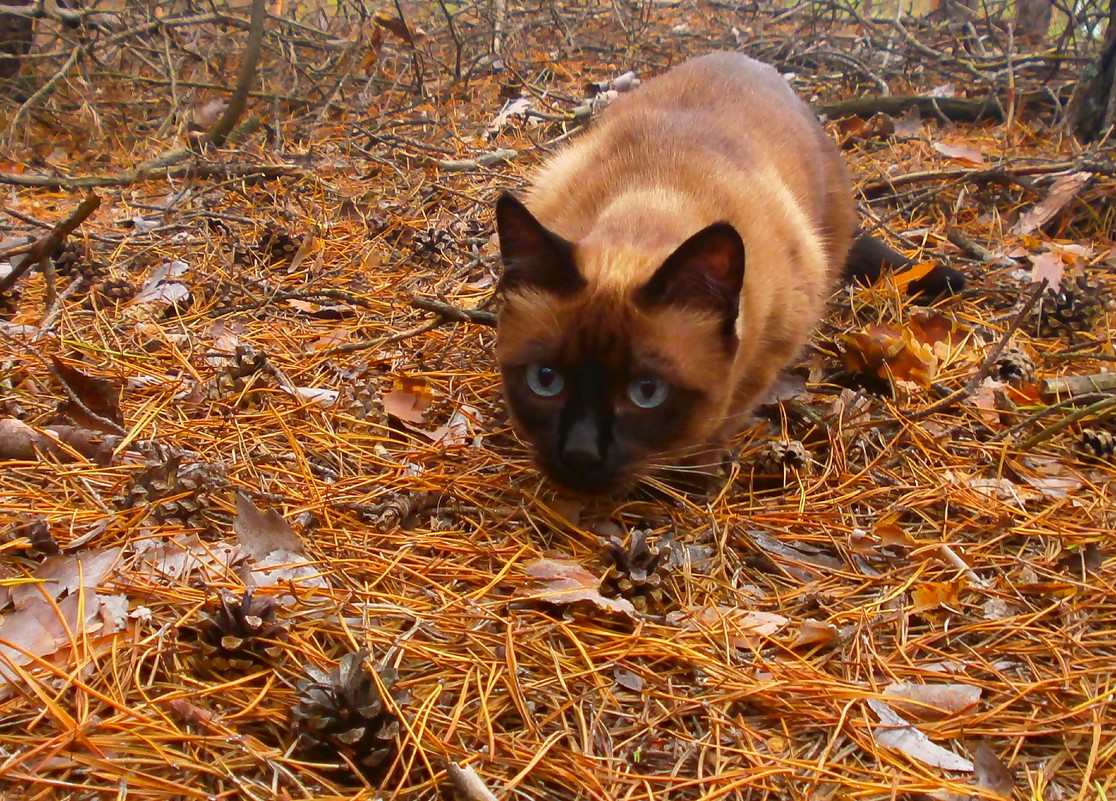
(533, 256)
(706, 271)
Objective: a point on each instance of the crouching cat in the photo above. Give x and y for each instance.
(662, 270)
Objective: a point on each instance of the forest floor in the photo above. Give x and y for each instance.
(267, 368)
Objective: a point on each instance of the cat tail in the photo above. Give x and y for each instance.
(868, 257)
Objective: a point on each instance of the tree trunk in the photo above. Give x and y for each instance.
(953, 10)
(16, 35)
(1032, 20)
(1093, 107)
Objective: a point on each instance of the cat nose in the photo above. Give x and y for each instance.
(582, 450)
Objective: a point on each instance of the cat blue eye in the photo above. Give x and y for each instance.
(647, 393)
(546, 382)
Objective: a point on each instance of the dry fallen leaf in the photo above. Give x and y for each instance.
(904, 278)
(39, 629)
(891, 533)
(100, 396)
(276, 550)
(512, 108)
(408, 401)
(563, 582)
(931, 327)
(1061, 193)
(1047, 266)
(459, 430)
(815, 632)
(263, 533)
(984, 399)
(744, 628)
(160, 290)
(855, 129)
(898, 734)
(394, 25)
(963, 153)
(185, 559)
(910, 124)
(991, 773)
(931, 701)
(930, 595)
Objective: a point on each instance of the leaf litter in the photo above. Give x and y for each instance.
(269, 434)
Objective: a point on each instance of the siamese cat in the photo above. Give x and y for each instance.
(663, 268)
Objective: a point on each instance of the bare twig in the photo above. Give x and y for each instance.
(42, 92)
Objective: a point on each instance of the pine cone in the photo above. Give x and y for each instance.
(74, 258)
(117, 290)
(240, 372)
(1014, 366)
(174, 494)
(238, 635)
(779, 455)
(633, 572)
(9, 302)
(1078, 305)
(16, 35)
(277, 246)
(342, 713)
(1096, 443)
(432, 246)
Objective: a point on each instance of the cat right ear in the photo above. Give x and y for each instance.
(533, 256)
(706, 272)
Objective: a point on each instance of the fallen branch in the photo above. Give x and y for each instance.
(195, 170)
(955, 109)
(999, 172)
(1077, 385)
(454, 313)
(1031, 419)
(45, 245)
(42, 92)
(446, 314)
(483, 160)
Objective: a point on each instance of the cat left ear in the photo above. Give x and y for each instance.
(533, 256)
(706, 271)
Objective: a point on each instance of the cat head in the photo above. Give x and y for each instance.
(606, 381)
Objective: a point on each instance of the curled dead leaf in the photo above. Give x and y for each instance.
(962, 153)
(1061, 193)
(931, 595)
(898, 734)
(931, 701)
(99, 395)
(883, 353)
(815, 632)
(563, 582)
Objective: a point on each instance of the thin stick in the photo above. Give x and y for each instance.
(42, 92)
(1097, 409)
